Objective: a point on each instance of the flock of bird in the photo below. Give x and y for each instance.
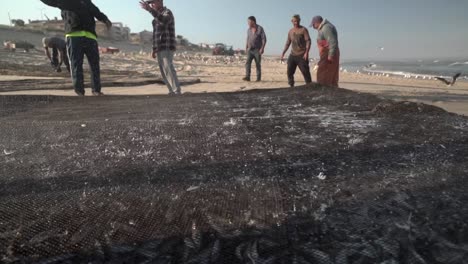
(240, 59)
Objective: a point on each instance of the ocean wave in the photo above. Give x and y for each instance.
(403, 74)
(458, 63)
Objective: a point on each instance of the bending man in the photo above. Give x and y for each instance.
(59, 52)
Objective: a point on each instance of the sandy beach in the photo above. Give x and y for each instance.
(232, 171)
(214, 74)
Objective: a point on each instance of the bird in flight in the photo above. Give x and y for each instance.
(449, 83)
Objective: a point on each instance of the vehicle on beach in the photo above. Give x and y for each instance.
(221, 49)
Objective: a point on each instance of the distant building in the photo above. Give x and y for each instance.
(55, 25)
(117, 32)
(135, 38)
(204, 46)
(146, 37)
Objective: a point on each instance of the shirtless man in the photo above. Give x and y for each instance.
(299, 38)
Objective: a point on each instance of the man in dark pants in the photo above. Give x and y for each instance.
(59, 52)
(299, 37)
(80, 29)
(256, 42)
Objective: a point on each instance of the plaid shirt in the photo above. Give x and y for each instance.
(163, 30)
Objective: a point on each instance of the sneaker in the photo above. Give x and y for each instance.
(98, 93)
(178, 93)
(171, 93)
(80, 94)
(247, 79)
(259, 80)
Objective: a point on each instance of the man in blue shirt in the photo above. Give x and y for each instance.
(255, 47)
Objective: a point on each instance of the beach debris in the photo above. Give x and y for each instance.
(231, 122)
(449, 83)
(83, 125)
(355, 140)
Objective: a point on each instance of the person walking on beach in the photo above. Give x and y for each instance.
(59, 52)
(329, 65)
(164, 42)
(299, 38)
(255, 47)
(80, 30)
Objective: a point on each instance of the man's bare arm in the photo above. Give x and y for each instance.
(308, 44)
(47, 53)
(264, 41)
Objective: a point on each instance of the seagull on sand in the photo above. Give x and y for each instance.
(451, 82)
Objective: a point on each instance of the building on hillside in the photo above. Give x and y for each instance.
(135, 38)
(56, 25)
(117, 32)
(204, 46)
(146, 37)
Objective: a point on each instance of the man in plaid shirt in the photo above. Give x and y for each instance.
(164, 42)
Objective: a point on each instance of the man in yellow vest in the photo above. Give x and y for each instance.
(80, 29)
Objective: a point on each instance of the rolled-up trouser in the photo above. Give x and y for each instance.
(298, 61)
(78, 47)
(328, 73)
(253, 54)
(55, 58)
(168, 72)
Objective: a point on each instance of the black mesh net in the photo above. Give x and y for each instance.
(274, 176)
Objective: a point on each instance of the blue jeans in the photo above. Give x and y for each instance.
(77, 48)
(254, 54)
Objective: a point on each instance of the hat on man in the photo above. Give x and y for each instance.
(316, 19)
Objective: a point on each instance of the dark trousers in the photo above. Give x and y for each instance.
(298, 61)
(55, 58)
(254, 55)
(77, 48)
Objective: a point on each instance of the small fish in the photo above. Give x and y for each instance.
(193, 188)
(322, 176)
(8, 152)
